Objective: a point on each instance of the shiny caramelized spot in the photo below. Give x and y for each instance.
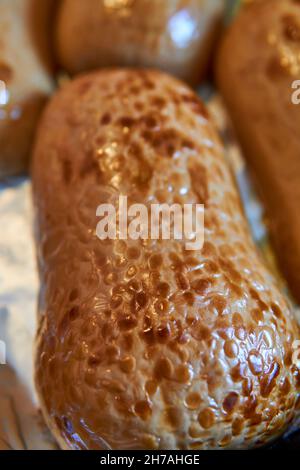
(127, 323)
(131, 271)
(155, 261)
(151, 387)
(200, 331)
(256, 419)
(197, 445)
(177, 263)
(231, 349)
(189, 298)
(268, 382)
(195, 431)
(235, 289)
(201, 286)
(143, 410)
(6, 73)
(148, 335)
(128, 364)
(254, 294)
(288, 357)
(257, 315)
(250, 406)
(133, 252)
(237, 426)
(183, 374)
(277, 311)
(162, 195)
(237, 373)
(166, 141)
(285, 387)
(263, 306)
(154, 277)
(225, 441)
(211, 267)
(228, 268)
(209, 250)
(116, 301)
(150, 442)
(237, 320)
(240, 333)
(271, 412)
(193, 401)
(141, 299)
(119, 289)
(163, 369)
(133, 286)
(191, 261)
(223, 327)
(230, 402)
(164, 333)
(163, 289)
(247, 386)
(219, 303)
(256, 362)
(112, 352)
(199, 181)
(161, 306)
(206, 418)
(182, 281)
(111, 278)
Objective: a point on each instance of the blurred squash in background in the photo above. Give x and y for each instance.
(25, 78)
(173, 35)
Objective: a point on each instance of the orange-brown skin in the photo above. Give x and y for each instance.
(144, 345)
(174, 35)
(25, 71)
(258, 61)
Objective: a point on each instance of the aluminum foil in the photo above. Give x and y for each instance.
(21, 425)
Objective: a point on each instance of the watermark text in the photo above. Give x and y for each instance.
(296, 93)
(157, 221)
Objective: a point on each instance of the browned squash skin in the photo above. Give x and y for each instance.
(145, 345)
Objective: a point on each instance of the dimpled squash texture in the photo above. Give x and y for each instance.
(143, 344)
